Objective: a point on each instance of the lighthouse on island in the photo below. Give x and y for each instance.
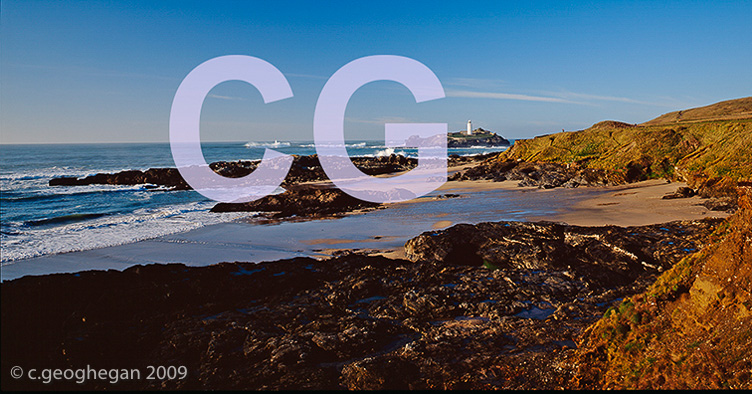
(469, 137)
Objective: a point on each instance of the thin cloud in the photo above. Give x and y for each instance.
(506, 96)
(564, 97)
(658, 102)
(474, 82)
(217, 96)
(603, 98)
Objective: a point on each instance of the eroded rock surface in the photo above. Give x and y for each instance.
(602, 256)
(449, 319)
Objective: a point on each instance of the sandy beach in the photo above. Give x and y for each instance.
(384, 231)
(635, 204)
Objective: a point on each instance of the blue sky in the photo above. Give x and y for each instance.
(107, 71)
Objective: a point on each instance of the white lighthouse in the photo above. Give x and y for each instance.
(469, 128)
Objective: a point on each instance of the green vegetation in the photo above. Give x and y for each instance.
(489, 265)
(730, 109)
(693, 150)
(475, 136)
(690, 329)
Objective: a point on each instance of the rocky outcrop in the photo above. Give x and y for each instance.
(539, 174)
(304, 169)
(599, 256)
(301, 200)
(457, 160)
(295, 201)
(308, 168)
(496, 305)
(682, 192)
(167, 177)
(692, 329)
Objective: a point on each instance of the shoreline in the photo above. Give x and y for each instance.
(635, 204)
(370, 232)
(468, 309)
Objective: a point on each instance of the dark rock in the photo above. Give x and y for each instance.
(541, 174)
(168, 177)
(233, 169)
(388, 373)
(304, 169)
(456, 160)
(444, 321)
(724, 204)
(302, 200)
(609, 255)
(64, 181)
(682, 192)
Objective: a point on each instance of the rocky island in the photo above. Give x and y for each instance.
(477, 137)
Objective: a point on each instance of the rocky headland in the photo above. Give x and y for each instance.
(707, 148)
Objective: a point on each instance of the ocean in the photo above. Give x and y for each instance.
(37, 219)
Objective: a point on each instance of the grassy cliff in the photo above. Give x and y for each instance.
(730, 109)
(692, 329)
(701, 145)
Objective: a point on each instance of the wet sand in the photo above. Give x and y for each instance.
(635, 204)
(383, 231)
